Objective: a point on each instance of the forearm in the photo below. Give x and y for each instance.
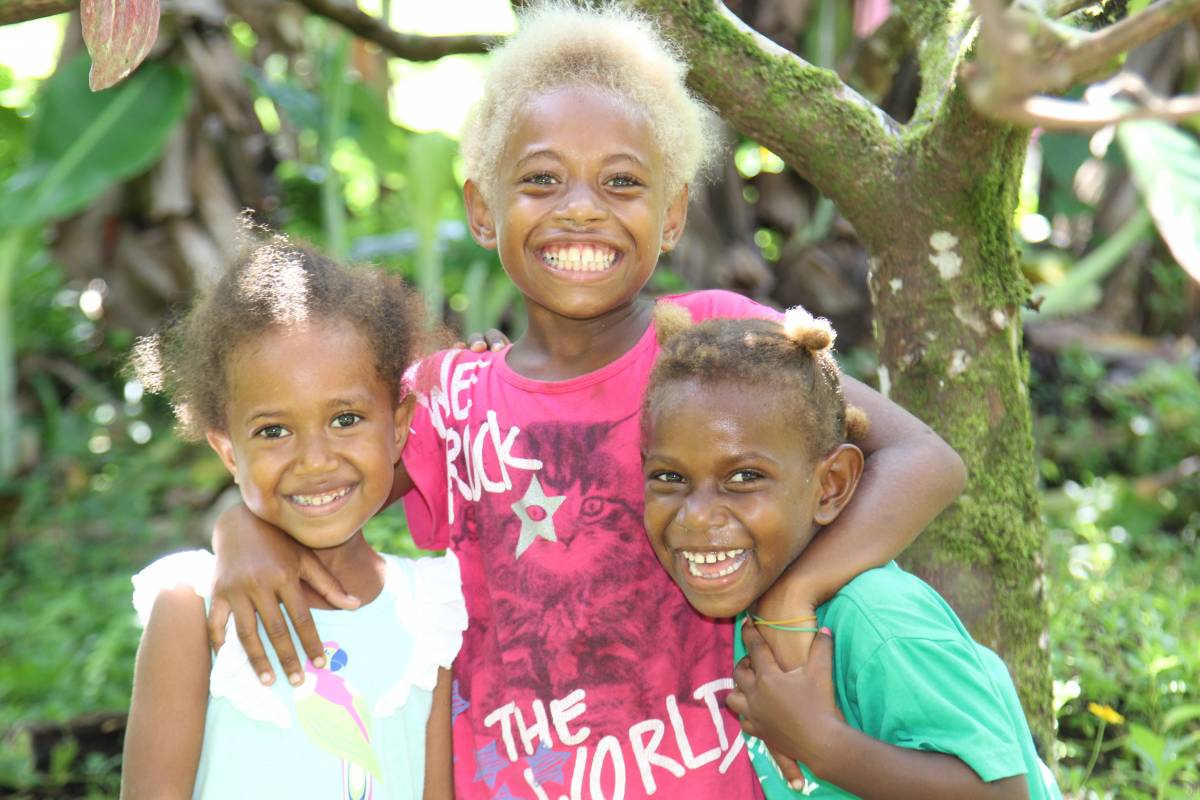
(903, 488)
(876, 770)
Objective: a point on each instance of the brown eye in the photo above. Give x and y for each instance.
(346, 420)
(745, 476)
(271, 432)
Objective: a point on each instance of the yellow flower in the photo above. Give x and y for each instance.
(1106, 713)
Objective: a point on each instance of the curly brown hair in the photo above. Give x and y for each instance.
(791, 359)
(277, 283)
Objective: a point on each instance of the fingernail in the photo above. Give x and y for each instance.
(294, 679)
(319, 662)
(796, 784)
(827, 632)
(353, 599)
(265, 678)
(498, 346)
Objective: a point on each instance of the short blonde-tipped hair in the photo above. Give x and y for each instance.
(561, 44)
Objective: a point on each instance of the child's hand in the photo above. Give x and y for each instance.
(259, 567)
(480, 342)
(790, 711)
(787, 598)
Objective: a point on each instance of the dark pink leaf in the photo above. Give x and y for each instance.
(869, 15)
(119, 35)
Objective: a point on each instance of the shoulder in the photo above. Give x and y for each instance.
(892, 604)
(718, 303)
(430, 606)
(430, 602)
(178, 575)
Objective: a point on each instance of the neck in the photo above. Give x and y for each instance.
(555, 348)
(357, 567)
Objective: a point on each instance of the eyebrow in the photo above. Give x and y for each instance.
(547, 153)
(351, 400)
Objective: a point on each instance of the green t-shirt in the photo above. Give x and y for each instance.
(906, 671)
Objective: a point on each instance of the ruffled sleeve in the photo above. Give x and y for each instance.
(436, 613)
(190, 568)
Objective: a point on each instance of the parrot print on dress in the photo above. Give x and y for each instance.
(337, 719)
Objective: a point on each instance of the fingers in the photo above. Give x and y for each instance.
(736, 702)
(761, 657)
(820, 654)
(281, 641)
(495, 339)
(218, 618)
(790, 769)
(314, 573)
(245, 621)
(302, 622)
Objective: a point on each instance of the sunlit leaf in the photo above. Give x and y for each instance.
(1165, 163)
(119, 35)
(82, 142)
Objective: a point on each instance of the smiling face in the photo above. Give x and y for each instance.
(312, 433)
(581, 209)
(732, 494)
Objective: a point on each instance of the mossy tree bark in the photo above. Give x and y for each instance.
(933, 201)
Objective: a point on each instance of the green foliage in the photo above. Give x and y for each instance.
(1165, 163)
(82, 142)
(1123, 575)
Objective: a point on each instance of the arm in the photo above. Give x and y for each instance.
(795, 713)
(439, 766)
(170, 696)
(911, 475)
(260, 567)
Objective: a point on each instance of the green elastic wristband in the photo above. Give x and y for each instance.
(788, 628)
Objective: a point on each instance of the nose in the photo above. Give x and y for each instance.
(580, 206)
(703, 510)
(315, 455)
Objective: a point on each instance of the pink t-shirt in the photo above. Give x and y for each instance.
(584, 673)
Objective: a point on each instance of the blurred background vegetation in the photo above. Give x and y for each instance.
(114, 204)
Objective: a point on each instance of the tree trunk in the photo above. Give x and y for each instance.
(933, 202)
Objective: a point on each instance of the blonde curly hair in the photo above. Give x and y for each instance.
(561, 43)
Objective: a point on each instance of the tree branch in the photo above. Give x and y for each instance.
(411, 47)
(1054, 113)
(806, 114)
(22, 10)
(1023, 53)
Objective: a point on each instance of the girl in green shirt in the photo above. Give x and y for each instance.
(748, 453)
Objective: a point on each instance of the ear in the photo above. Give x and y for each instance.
(222, 445)
(675, 219)
(479, 216)
(403, 418)
(839, 473)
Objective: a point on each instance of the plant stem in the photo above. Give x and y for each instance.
(336, 100)
(1087, 773)
(10, 421)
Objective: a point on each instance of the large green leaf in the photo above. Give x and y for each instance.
(1165, 162)
(83, 142)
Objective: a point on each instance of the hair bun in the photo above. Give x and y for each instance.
(814, 334)
(669, 320)
(858, 424)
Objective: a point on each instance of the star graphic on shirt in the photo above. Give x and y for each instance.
(536, 512)
(458, 704)
(547, 765)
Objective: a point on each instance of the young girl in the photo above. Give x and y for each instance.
(291, 367)
(584, 672)
(747, 457)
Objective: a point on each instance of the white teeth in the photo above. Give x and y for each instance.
(585, 258)
(711, 557)
(695, 559)
(320, 499)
